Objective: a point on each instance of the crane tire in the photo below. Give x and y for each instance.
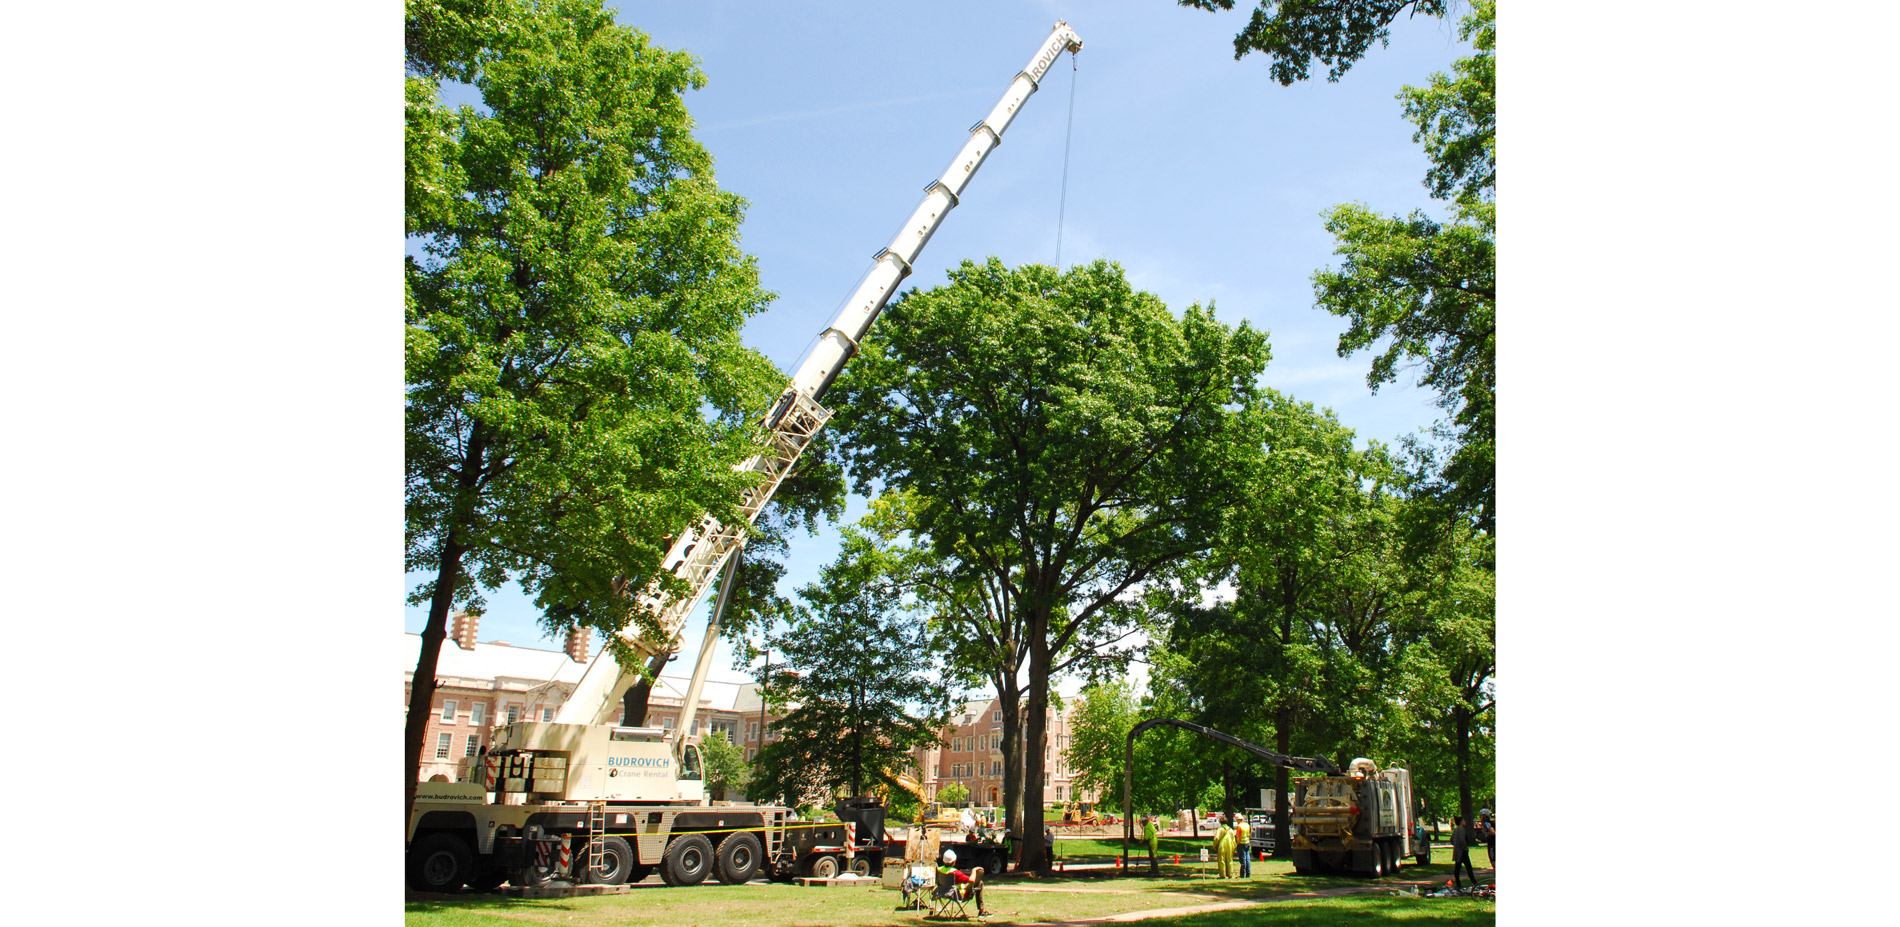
(861, 866)
(690, 859)
(739, 859)
(440, 862)
(616, 862)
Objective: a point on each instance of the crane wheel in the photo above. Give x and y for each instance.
(440, 862)
(616, 862)
(689, 859)
(739, 859)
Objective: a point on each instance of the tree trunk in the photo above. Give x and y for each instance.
(448, 573)
(422, 687)
(1461, 746)
(633, 703)
(1009, 699)
(1035, 733)
(1282, 801)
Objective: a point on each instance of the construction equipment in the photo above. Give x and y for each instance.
(1360, 822)
(624, 801)
(1081, 813)
(1308, 764)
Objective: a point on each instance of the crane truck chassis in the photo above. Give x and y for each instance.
(581, 798)
(642, 814)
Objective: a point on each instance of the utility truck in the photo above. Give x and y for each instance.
(1360, 822)
(584, 798)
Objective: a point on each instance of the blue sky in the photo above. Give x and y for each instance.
(1202, 176)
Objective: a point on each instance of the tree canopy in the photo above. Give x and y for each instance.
(1294, 33)
(576, 390)
(860, 688)
(1068, 439)
(1416, 290)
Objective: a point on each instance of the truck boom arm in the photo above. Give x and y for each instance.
(1317, 764)
(796, 417)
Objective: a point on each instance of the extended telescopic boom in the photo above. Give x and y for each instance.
(796, 417)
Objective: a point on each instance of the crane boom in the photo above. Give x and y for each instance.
(698, 554)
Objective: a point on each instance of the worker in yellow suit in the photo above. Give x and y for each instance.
(1224, 848)
(1148, 834)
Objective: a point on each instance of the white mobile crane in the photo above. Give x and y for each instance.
(582, 797)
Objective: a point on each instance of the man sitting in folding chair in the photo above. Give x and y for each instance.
(954, 887)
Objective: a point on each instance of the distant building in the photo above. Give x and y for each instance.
(481, 684)
(972, 755)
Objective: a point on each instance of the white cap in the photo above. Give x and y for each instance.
(949, 856)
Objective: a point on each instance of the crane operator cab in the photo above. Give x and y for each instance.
(690, 767)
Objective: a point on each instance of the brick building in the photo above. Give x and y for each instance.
(972, 755)
(481, 684)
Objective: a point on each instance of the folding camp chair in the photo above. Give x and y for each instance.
(951, 895)
(946, 896)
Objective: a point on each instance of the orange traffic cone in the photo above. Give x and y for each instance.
(1177, 859)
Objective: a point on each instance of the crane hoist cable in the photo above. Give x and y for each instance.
(1062, 203)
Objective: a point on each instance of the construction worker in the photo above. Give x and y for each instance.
(1224, 848)
(1242, 833)
(1149, 834)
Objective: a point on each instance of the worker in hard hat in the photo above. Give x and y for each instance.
(949, 868)
(1224, 848)
(1242, 835)
(1153, 838)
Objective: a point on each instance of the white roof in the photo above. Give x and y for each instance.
(490, 661)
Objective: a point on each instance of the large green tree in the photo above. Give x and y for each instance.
(861, 686)
(1446, 720)
(1420, 291)
(1336, 32)
(576, 390)
(1068, 438)
(1285, 663)
(727, 771)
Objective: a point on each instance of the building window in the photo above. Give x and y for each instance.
(474, 740)
(1045, 780)
(969, 719)
(998, 717)
(441, 746)
(475, 712)
(514, 713)
(996, 768)
(751, 732)
(1058, 793)
(695, 731)
(667, 722)
(448, 712)
(748, 754)
(547, 714)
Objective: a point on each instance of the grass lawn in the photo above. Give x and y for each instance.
(1012, 899)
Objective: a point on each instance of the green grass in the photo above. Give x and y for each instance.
(1013, 899)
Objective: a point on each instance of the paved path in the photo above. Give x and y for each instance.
(1129, 916)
